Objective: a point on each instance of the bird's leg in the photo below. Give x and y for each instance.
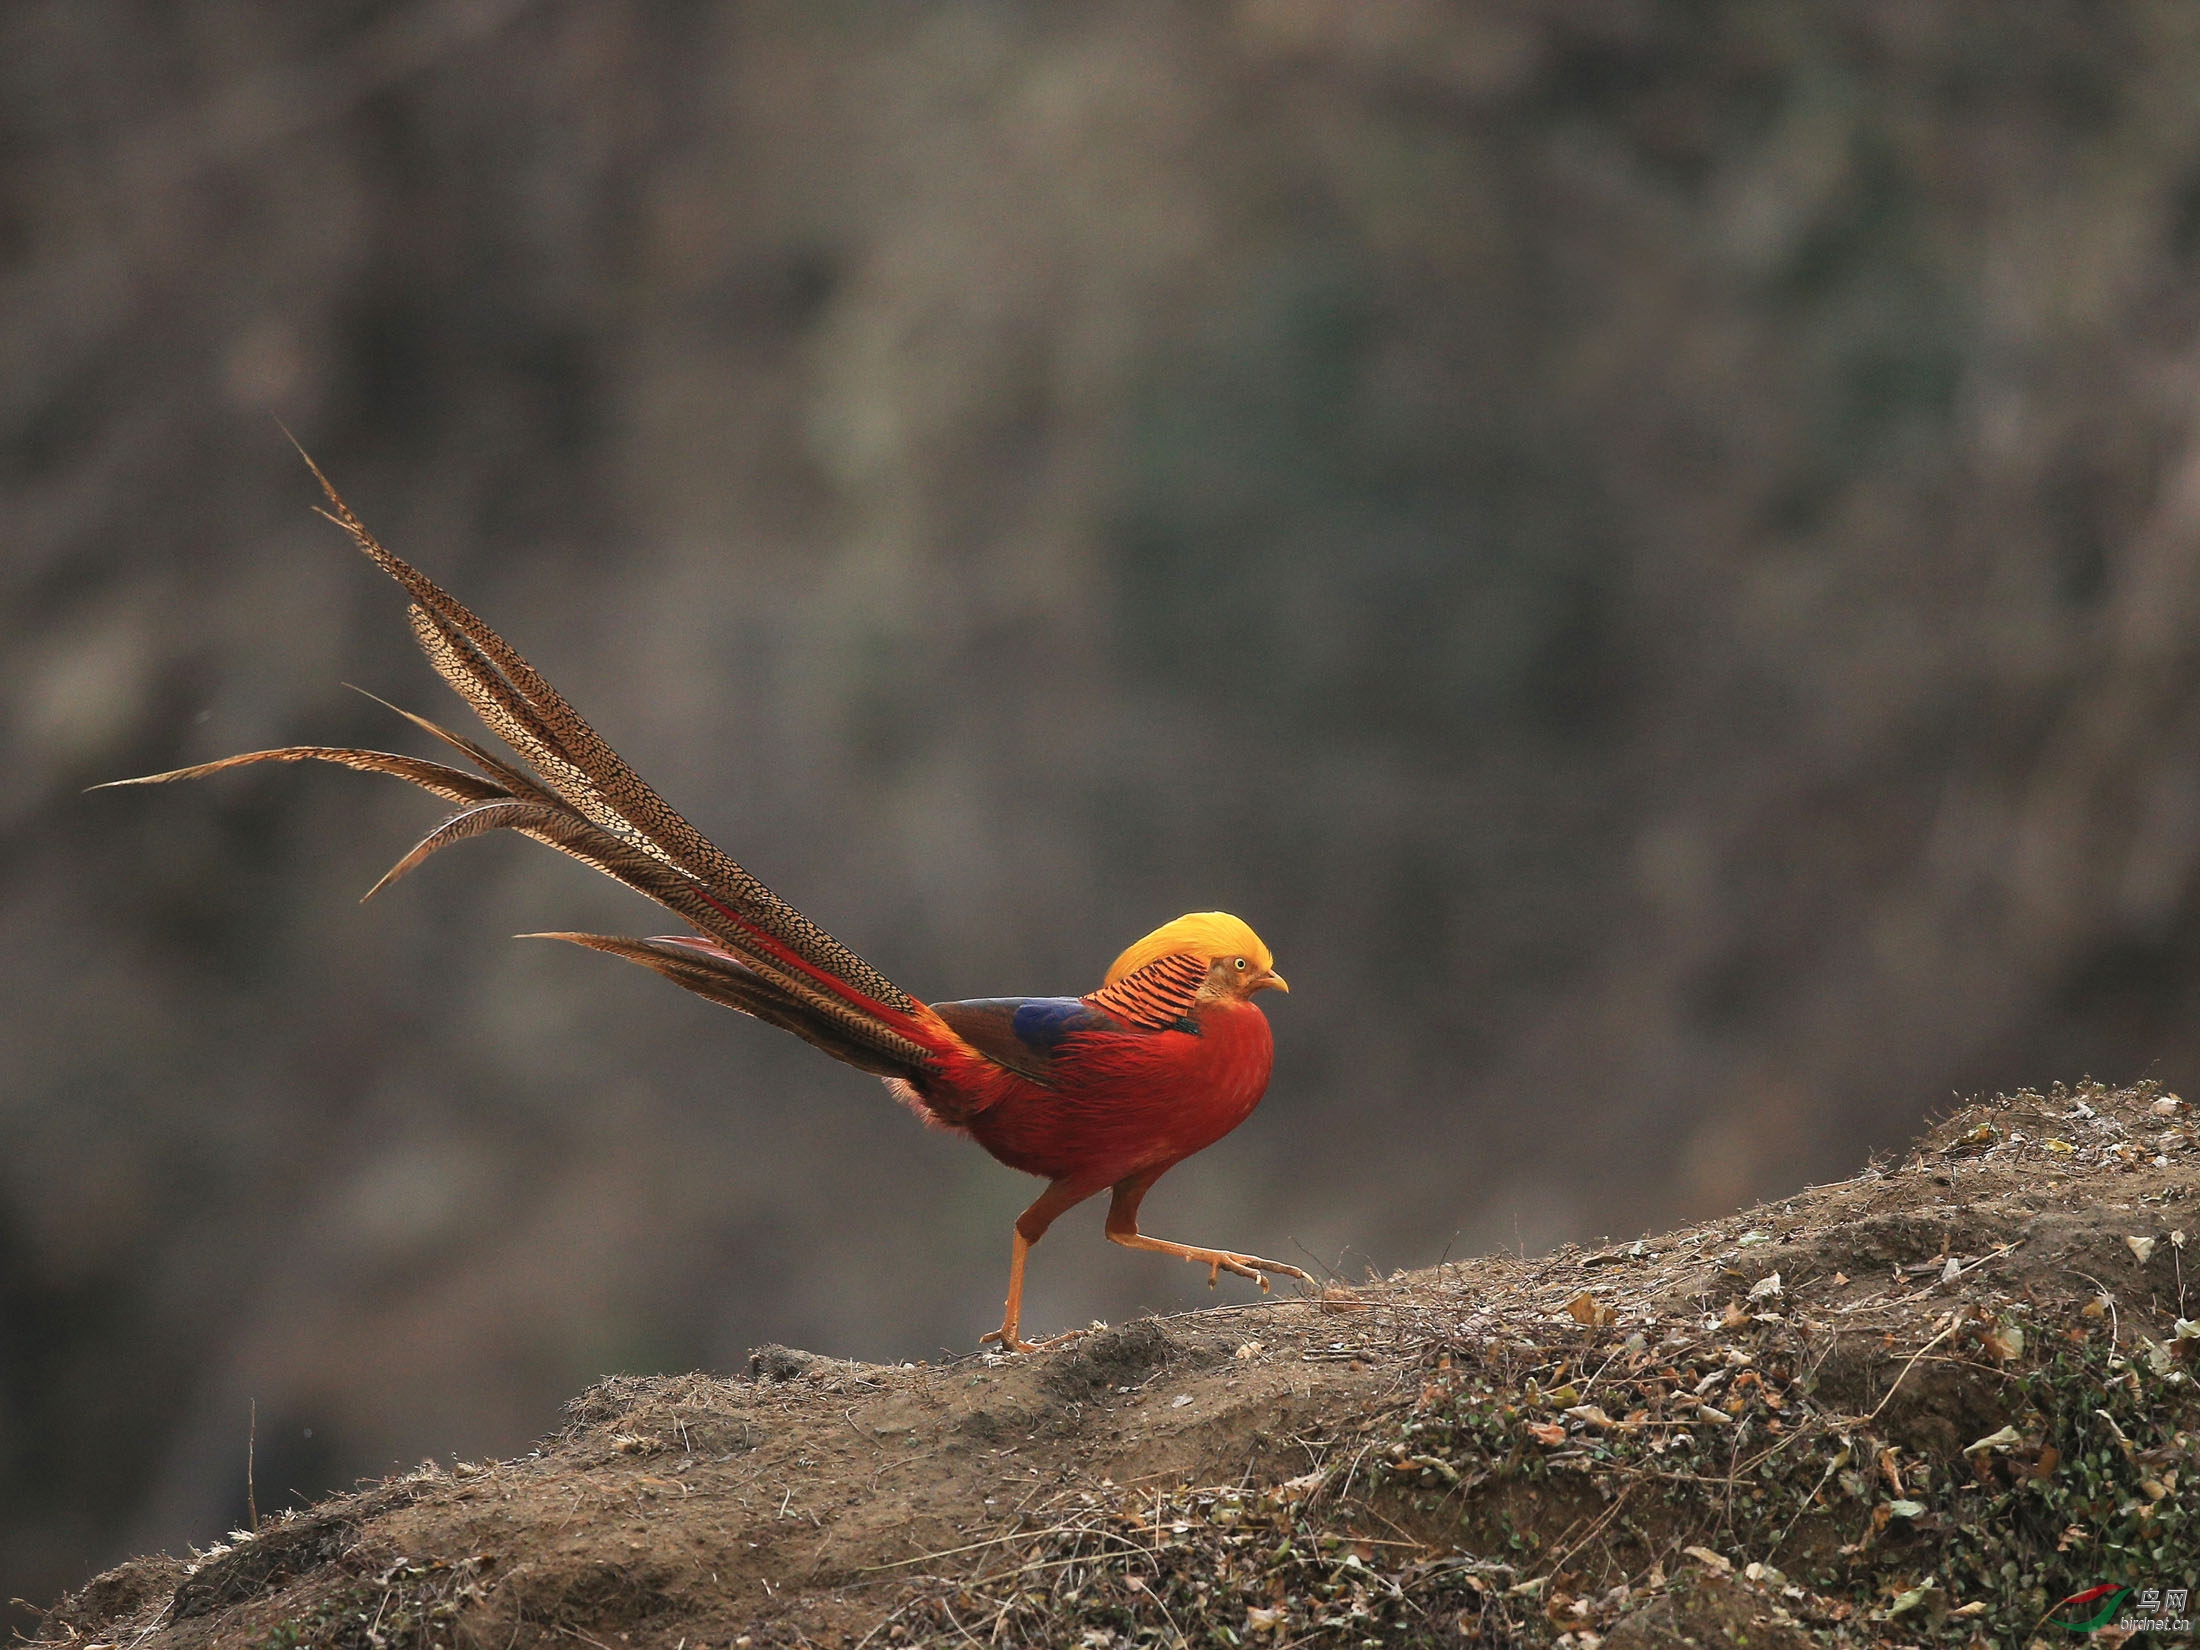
(1123, 1229)
(1031, 1226)
(1012, 1314)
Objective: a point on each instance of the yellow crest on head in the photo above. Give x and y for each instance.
(1202, 934)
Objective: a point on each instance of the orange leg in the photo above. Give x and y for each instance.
(1031, 1226)
(1123, 1229)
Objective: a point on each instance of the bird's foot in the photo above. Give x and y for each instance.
(1009, 1341)
(1219, 1261)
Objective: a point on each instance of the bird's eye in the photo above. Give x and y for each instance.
(1241, 965)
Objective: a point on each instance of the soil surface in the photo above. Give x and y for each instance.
(1923, 1405)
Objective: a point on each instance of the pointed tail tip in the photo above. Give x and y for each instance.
(290, 436)
(369, 693)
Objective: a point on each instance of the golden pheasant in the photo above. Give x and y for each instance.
(1101, 1092)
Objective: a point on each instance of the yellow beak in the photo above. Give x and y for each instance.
(1272, 978)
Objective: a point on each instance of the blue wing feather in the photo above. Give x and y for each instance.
(1042, 1022)
(1023, 1033)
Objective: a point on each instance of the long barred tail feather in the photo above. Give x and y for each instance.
(503, 813)
(532, 717)
(451, 784)
(710, 972)
(754, 952)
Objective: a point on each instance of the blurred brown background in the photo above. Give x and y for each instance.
(1653, 550)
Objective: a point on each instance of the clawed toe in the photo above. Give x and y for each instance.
(1217, 1261)
(1244, 1266)
(1019, 1344)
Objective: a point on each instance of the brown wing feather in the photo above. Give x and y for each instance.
(989, 1026)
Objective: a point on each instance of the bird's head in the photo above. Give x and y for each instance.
(1237, 962)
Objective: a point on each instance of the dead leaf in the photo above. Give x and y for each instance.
(1425, 1463)
(1591, 1415)
(1733, 1317)
(1591, 1313)
(1337, 1298)
(1926, 1596)
(1546, 1432)
(2002, 1340)
(1711, 1560)
(2142, 1247)
(1301, 1487)
(2123, 1442)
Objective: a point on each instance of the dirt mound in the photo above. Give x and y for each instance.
(1922, 1405)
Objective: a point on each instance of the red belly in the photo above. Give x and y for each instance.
(1123, 1103)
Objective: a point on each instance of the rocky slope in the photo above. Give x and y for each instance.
(1919, 1406)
